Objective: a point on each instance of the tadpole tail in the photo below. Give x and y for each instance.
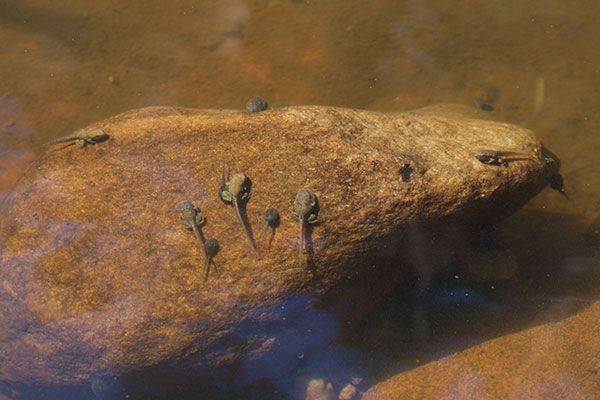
(206, 268)
(199, 235)
(301, 246)
(566, 195)
(264, 232)
(270, 239)
(62, 140)
(62, 147)
(244, 228)
(222, 174)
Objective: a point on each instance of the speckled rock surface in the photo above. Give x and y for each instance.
(558, 360)
(99, 277)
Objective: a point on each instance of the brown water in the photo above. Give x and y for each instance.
(65, 64)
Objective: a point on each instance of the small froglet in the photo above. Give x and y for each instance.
(211, 249)
(495, 157)
(306, 210)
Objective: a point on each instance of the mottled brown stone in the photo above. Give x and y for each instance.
(98, 276)
(557, 360)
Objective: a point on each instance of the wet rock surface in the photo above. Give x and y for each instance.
(98, 277)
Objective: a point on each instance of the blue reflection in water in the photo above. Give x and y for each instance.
(461, 296)
(296, 332)
(451, 297)
(298, 348)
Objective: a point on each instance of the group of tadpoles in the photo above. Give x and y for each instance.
(236, 192)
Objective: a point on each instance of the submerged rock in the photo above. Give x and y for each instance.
(556, 360)
(99, 277)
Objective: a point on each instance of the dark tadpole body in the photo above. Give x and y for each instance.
(272, 219)
(256, 104)
(557, 183)
(239, 186)
(211, 249)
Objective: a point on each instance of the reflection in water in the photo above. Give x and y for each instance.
(287, 345)
(15, 129)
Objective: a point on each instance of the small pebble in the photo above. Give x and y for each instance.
(257, 104)
(356, 381)
(347, 393)
(318, 389)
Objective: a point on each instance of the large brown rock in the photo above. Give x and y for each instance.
(98, 276)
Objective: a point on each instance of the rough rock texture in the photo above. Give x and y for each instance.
(558, 360)
(98, 276)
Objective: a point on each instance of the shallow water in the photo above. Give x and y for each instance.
(67, 64)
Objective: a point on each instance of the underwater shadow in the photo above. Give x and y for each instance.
(558, 275)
